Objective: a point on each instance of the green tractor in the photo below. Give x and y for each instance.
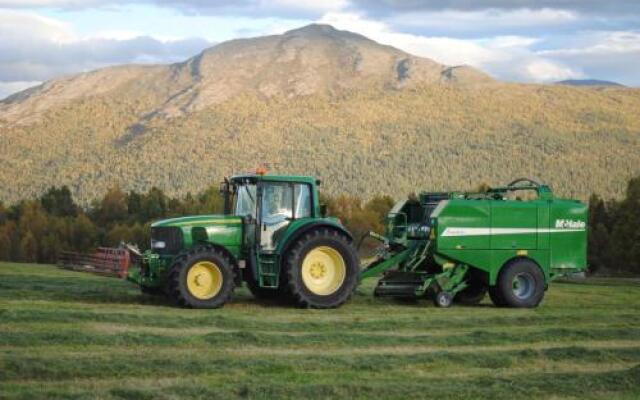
(274, 235)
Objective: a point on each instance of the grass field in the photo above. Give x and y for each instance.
(72, 335)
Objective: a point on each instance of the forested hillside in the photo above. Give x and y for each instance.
(365, 118)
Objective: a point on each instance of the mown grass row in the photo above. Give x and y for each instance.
(73, 335)
(335, 339)
(609, 383)
(150, 363)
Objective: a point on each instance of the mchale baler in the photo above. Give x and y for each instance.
(459, 246)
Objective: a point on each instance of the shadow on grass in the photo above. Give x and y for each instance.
(81, 287)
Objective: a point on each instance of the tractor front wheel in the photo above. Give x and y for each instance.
(322, 269)
(203, 277)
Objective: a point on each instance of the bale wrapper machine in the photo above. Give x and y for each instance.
(457, 246)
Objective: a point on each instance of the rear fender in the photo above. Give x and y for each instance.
(300, 230)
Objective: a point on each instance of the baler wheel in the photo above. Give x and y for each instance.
(322, 269)
(496, 299)
(443, 299)
(471, 295)
(521, 284)
(202, 277)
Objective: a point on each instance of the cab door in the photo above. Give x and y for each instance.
(276, 212)
(281, 203)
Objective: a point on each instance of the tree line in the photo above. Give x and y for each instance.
(38, 230)
(614, 235)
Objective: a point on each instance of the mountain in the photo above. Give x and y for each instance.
(587, 82)
(364, 117)
(316, 59)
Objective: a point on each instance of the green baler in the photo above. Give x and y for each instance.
(458, 246)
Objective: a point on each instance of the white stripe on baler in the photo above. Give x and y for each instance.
(461, 231)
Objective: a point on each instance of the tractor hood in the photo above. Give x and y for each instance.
(198, 220)
(224, 230)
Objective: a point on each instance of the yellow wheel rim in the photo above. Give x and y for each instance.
(323, 270)
(204, 280)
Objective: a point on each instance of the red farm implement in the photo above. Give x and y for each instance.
(104, 261)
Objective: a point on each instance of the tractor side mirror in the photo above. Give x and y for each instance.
(323, 210)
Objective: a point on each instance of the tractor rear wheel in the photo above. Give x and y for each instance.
(322, 269)
(521, 284)
(203, 277)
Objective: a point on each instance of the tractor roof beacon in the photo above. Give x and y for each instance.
(448, 246)
(273, 235)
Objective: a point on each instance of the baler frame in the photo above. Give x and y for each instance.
(414, 266)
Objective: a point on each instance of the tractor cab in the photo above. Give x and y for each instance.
(269, 204)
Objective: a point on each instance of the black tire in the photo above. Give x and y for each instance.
(496, 299)
(471, 295)
(177, 287)
(321, 237)
(152, 291)
(521, 284)
(443, 299)
(476, 290)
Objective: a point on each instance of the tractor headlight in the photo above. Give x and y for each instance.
(158, 244)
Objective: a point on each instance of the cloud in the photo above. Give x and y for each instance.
(273, 8)
(380, 8)
(456, 21)
(603, 55)
(35, 49)
(389, 7)
(8, 88)
(505, 57)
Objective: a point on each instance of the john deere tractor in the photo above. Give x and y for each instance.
(274, 235)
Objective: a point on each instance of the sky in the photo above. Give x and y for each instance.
(537, 41)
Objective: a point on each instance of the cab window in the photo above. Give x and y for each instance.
(302, 194)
